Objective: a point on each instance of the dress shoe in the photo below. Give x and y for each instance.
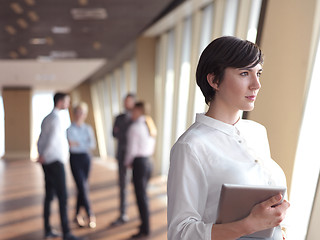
(52, 234)
(92, 222)
(79, 220)
(139, 235)
(120, 221)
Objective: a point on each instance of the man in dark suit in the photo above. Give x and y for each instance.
(121, 125)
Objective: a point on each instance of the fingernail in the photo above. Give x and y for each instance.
(278, 197)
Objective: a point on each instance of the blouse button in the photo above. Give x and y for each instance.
(256, 161)
(239, 141)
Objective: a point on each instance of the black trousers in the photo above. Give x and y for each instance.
(141, 168)
(123, 182)
(55, 184)
(80, 164)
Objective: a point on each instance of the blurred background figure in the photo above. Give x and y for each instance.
(52, 157)
(81, 141)
(140, 147)
(121, 125)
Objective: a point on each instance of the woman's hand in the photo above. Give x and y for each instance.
(73, 144)
(267, 214)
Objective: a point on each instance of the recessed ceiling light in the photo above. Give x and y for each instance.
(38, 41)
(33, 16)
(83, 2)
(16, 8)
(60, 29)
(22, 23)
(30, 2)
(96, 45)
(89, 13)
(13, 55)
(63, 54)
(49, 40)
(11, 30)
(22, 50)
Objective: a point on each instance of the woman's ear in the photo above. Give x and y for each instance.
(212, 82)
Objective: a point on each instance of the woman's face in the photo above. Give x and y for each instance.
(136, 113)
(80, 115)
(239, 88)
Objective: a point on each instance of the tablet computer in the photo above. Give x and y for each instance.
(236, 202)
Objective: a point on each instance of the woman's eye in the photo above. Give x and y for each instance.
(244, 74)
(259, 74)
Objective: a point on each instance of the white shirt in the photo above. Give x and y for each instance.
(207, 155)
(83, 135)
(139, 141)
(52, 143)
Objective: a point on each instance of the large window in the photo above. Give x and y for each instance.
(1, 128)
(307, 160)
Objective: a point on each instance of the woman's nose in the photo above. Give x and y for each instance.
(255, 84)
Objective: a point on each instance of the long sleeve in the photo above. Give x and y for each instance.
(186, 183)
(139, 141)
(82, 135)
(52, 143)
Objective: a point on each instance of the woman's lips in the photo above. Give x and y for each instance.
(252, 97)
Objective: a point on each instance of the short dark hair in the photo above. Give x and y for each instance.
(140, 105)
(221, 53)
(58, 96)
(132, 95)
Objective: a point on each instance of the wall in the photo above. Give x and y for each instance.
(17, 108)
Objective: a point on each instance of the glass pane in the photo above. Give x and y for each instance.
(168, 102)
(1, 128)
(184, 80)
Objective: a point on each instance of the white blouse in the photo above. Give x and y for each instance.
(207, 155)
(139, 141)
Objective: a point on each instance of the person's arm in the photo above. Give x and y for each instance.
(187, 192)
(262, 216)
(116, 127)
(48, 133)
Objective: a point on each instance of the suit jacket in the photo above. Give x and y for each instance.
(120, 128)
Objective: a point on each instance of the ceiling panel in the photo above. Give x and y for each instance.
(88, 38)
(25, 22)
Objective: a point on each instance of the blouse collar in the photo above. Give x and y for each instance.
(217, 124)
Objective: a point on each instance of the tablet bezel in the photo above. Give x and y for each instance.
(236, 202)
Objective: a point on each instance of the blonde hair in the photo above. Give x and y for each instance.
(83, 106)
(151, 126)
(145, 108)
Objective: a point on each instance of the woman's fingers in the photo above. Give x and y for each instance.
(273, 201)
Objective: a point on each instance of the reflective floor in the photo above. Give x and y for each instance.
(21, 197)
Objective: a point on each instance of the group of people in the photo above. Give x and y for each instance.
(136, 141)
(51, 146)
(135, 132)
(220, 147)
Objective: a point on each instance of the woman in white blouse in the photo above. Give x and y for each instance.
(140, 147)
(220, 147)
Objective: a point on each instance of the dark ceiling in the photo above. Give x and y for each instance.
(31, 29)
